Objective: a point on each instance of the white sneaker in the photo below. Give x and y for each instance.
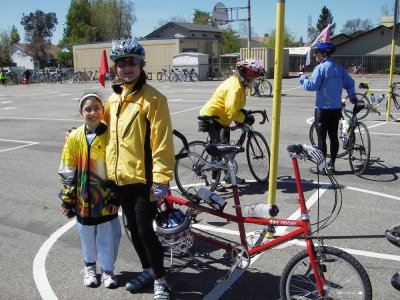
(90, 279)
(109, 280)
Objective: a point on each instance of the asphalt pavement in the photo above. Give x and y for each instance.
(41, 248)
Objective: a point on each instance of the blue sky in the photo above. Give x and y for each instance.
(263, 13)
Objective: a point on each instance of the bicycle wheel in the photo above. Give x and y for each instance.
(258, 156)
(359, 148)
(363, 113)
(194, 77)
(361, 70)
(345, 277)
(126, 227)
(254, 87)
(265, 88)
(191, 173)
(314, 140)
(350, 70)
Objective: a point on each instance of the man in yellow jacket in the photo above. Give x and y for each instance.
(139, 157)
(228, 101)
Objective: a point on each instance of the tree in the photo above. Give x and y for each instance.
(288, 39)
(200, 17)
(355, 25)
(244, 30)
(14, 35)
(98, 20)
(39, 28)
(230, 40)
(5, 44)
(176, 19)
(325, 18)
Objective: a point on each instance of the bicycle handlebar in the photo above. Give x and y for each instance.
(263, 113)
(182, 138)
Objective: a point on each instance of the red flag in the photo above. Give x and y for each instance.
(103, 68)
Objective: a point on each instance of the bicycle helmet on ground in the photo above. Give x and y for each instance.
(250, 68)
(126, 48)
(171, 225)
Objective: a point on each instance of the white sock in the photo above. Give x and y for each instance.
(160, 281)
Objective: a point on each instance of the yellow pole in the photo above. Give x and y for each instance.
(276, 107)
(392, 59)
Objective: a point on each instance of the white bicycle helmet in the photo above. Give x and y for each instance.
(171, 226)
(126, 48)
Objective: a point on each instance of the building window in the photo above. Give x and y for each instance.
(205, 35)
(192, 34)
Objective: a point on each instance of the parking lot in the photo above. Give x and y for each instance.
(41, 248)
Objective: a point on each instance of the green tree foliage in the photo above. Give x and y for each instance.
(98, 20)
(5, 43)
(39, 28)
(14, 35)
(325, 18)
(288, 39)
(230, 40)
(354, 25)
(201, 17)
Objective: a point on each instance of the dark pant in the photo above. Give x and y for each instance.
(140, 213)
(327, 123)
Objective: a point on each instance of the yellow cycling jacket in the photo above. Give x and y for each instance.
(226, 102)
(140, 149)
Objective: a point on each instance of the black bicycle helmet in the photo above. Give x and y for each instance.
(126, 48)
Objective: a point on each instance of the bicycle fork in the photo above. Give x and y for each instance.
(317, 267)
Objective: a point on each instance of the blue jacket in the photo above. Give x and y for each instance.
(328, 80)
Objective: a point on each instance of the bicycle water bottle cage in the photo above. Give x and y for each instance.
(222, 149)
(363, 85)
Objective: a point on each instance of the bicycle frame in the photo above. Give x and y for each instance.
(303, 225)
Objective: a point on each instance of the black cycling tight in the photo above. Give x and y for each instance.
(140, 213)
(327, 123)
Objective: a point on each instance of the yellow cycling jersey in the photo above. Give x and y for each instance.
(140, 149)
(226, 102)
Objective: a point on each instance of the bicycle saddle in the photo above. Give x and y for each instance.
(393, 235)
(363, 85)
(206, 118)
(222, 149)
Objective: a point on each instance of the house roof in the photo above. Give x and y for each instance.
(49, 48)
(190, 27)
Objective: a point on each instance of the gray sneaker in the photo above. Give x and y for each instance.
(90, 279)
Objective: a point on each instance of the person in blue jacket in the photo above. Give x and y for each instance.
(328, 80)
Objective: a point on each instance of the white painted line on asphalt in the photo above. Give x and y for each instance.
(7, 108)
(27, 144)
(182, 111)
(42, 119)
(381, 133)
(5, 102)
(39, 263)
(358, 252)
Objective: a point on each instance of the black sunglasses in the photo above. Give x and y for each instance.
(130, 61)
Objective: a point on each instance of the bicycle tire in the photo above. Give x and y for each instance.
(258, 156)
(314, 139)
(126, 227)
(194, 77)
(364, 112)
(190, 173)
(265, 88)
(359, 148)
(344, 275)
(361, 70)
(253, 89)
(350, 70)
(173, 77)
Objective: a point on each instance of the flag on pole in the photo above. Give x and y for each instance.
(324, 36)
(103, 68)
